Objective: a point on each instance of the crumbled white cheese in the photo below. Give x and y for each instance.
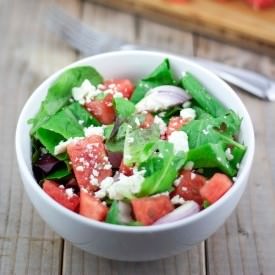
(80, 122)
(193, 175)
(188, 114)
(61, 147)
(125, 187)
(234, 179)
(177, 200)
(69, 192)
(85, 91)
(228, 154)
(161, 124)
(122, 187)
(94, 130)
(118, 94)
(238, 165)
(104, 185)
(180, 141)
(152, 104)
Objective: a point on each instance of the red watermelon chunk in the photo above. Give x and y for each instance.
(102, 109)
(216, 187)
(91, 207)
(124, 86)
(89, 161)
(189, 185)
(175, 123)
(61, 195)
(149, 209)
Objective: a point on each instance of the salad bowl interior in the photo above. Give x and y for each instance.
(127, 242)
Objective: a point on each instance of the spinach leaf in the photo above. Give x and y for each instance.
(161, 170)
(211, 156)
(162, 75)
(115, 144)
(48, 138)
(139, 144)
(212, 130)
(60, 173)
(200, 94)
(124, 108)
(64, 125)
(173, 111)
(60, 92)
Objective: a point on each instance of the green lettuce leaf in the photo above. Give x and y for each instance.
(200, 94)
(211, 156)
(124, 108)
(162, 75)
(212, 130)
(67, 123)
(139, 144)
(161, 169)
(60, 92)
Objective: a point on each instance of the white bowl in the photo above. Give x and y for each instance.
(123, 242)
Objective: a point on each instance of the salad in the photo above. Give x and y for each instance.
(147, 153)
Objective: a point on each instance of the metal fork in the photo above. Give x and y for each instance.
(89, 42)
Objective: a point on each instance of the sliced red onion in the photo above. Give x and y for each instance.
(189, 208)
(162, 98)
(46, 163)
(115, 158)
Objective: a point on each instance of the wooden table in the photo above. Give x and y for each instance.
(244, 245)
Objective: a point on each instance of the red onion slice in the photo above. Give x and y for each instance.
(162, 98)
(189, 208)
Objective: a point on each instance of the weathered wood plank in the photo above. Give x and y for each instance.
(164, 37)
(79, 262)
(27, 245)
(245, 244)
(143, 31)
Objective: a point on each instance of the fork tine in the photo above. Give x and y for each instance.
(83, 38)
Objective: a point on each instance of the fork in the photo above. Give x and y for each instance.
(89, 42)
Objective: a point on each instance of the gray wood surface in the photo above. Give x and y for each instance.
(244, 245)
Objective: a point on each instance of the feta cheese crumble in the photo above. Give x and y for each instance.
(94, 130)
(180, 141)
(228, 154)
(61, 147)
(84, 92)
(69, 192)
(177, 200)
(161, 124)
(188, 114)
(122, 187)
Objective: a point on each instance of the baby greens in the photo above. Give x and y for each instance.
(60, 92)
(162, 75)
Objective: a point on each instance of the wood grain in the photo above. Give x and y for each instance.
(245, 245)
(233, 21)
(27, 245)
